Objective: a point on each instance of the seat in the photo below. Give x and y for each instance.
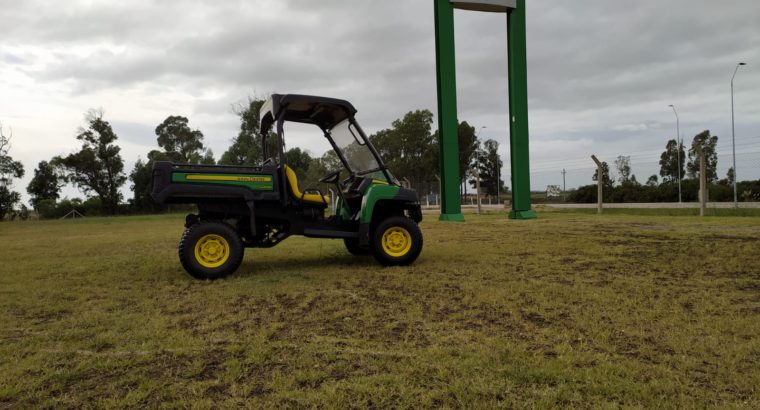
(311, 198)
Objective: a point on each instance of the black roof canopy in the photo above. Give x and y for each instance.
(323, 112)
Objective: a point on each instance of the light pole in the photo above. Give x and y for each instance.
(733, 133)
(678, 149)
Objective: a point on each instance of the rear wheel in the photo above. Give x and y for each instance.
(397, 241)
(352, 245)
(210, 250)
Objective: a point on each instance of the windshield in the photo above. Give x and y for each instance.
(356, 152)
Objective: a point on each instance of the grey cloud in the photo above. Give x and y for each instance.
(600, 70)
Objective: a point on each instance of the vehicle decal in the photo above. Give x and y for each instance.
(253, 182)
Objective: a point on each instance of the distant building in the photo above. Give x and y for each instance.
(553, 191)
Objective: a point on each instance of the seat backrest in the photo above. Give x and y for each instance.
(296, 192)
(292, 181)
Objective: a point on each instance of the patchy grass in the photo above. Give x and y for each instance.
(567, 310)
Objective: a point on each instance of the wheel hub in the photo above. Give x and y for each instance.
(396, 241)
(212, 251)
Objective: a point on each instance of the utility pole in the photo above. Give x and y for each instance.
(733, 133)
(678, 149)
(599, 184)
(564, 186)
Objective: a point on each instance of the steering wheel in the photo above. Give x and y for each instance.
(331, 178)
(269, 160)
(349, 179)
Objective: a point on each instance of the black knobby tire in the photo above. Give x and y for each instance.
(352, 245)
(396, 241)
(210, 250)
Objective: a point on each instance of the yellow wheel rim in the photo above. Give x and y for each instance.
(212, 251)
(396, 241)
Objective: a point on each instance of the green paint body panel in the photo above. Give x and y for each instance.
(343, 211)
(518, 113)
(374, 194)
(451, 209)
(253, 182)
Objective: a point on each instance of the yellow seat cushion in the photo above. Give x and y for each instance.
(293, 182)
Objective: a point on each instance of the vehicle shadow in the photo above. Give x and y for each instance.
(295, 264)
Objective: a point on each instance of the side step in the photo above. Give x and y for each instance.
(326, 233)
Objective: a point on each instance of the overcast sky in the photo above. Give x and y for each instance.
(601, 73)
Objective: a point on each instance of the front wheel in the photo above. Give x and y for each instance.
(397, 241)
(210, 250)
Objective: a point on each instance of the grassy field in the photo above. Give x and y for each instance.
(570, 310)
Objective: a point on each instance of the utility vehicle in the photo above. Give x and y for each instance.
(259, 207)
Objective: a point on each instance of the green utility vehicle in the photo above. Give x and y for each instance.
(258, 207)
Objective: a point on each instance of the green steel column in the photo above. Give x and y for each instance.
(518, 113)
(451, 209)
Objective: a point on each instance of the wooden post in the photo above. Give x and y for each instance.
(477, 187)
(702, 182)
(599, 184)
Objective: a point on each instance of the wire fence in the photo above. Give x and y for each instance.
(548, 177)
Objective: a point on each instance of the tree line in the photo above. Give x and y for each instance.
(409, 147)
(675, 164)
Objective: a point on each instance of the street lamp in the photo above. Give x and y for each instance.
(678, 149)
(733, 133)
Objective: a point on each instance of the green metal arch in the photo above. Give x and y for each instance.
(451, 209)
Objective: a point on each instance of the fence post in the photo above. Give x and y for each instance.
(437, 197)
(599, 184)
(702, 182)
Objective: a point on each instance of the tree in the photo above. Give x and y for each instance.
(488, 164)
(730, 176)
(669, 162)
(246, 147)
(46, 183)
(315, 171)
(707, 143)
(97, 167)
(9, 169)
(208, 158)
(330, 161)
(606, 180)
(652, 181)
(623, 166)
(180, 143)
(408, 147)
(142, 183)
(298, 160)
(468, 144)
(8, 201)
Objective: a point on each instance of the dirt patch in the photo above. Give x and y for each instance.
(535, 318)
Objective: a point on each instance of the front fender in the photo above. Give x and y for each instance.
(377, 193)
(374, 194)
